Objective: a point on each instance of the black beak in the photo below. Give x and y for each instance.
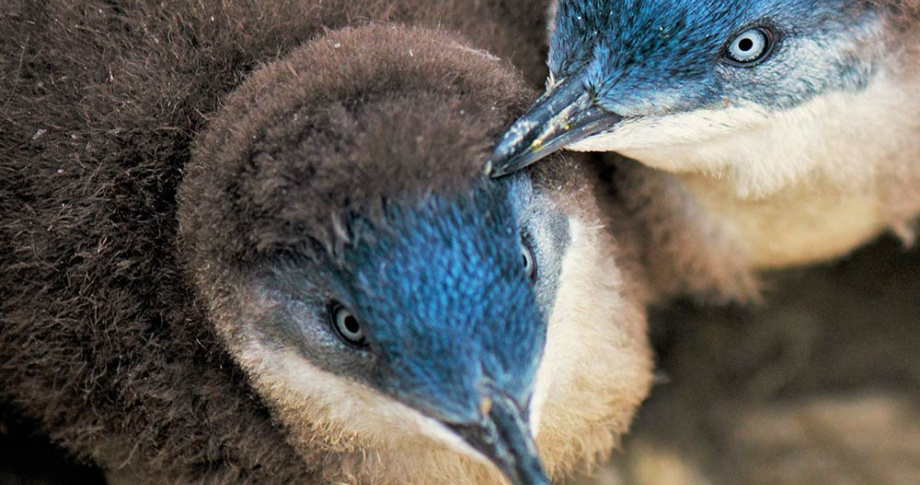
(566, 113)
(504, 437)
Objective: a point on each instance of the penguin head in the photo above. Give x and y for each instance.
(382, 292)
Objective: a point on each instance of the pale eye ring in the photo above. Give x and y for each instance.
(347, 326)
(750, 47)
(530, 264)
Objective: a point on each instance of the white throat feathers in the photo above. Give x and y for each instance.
(802, 185)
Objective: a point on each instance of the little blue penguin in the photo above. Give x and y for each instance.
(255, 243)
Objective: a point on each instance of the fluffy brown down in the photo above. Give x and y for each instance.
(293, 167)
(103, 344)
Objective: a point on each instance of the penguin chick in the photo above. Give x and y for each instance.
(338, 295)
(793, 126)
(356, 201)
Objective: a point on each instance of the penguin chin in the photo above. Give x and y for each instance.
(668, 142)
(758, 152)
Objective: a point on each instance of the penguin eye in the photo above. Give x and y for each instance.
(347, 326)
(750, 47)
(530, 264)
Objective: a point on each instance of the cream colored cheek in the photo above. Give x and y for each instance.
(596, 365)
(308, 398)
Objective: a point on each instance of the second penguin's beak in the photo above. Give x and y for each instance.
(503, 436)
(564, 114)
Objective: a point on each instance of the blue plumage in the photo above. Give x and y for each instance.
(647, 57)
(443, 287)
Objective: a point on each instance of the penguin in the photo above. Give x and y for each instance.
(789, 129)
(241, 247)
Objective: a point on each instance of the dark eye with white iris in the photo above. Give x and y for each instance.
(750, 47)
(530, 264)
(347, 326)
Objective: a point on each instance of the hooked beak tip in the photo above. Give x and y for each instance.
(510, 156)
(504, 437)
(564, 115)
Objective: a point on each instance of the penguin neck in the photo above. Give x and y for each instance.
(810, 184)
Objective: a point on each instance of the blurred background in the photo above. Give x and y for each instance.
(818, 385)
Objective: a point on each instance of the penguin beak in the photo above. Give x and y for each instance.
(504, 437)
(563, 115)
